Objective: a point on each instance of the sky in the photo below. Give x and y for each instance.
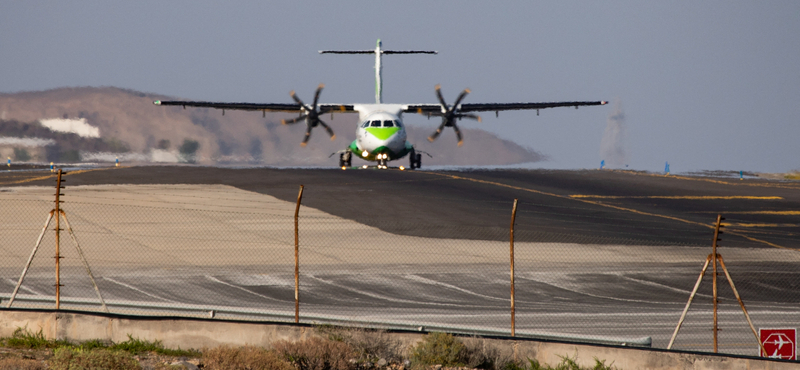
(708, 85)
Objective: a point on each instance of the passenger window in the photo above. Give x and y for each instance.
(388, 124)
(376, 124)
(397, 123)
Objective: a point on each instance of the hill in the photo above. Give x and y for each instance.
(132, 128)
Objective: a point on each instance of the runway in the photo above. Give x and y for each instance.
(599, 253)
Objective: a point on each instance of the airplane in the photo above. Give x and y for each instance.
(380, 135)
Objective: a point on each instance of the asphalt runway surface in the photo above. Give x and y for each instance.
(600, 253)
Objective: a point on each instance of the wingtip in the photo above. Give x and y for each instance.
(303, 145)
(157, 102)
(333, 137)
(431, 139)
(291, 93)
(321, 86)
(603, 102)
(480, 119)
(283, 121)
(460, 143)
(438, 87)
(467, 91)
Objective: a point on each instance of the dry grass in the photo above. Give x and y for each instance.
(243, 358)
(369, 345)
(16, 363)
(317, 354)
(66, 358)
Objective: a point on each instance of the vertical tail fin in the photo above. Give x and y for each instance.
(378, 65)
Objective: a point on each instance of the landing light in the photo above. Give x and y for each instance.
(364, 153)
(402, 168)
(364, 166)
(343, 167)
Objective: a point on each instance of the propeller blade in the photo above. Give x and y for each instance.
(470, 116)
(316, 95)
(308, 136)
(327, 128)
(438, 130)
(458, 134)
(296, 99)
(460, 97)
(441, 98)
(293, 120)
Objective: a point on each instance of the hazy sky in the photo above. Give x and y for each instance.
(703, 85)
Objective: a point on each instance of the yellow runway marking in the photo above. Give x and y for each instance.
(762, 225)
(740, 183)
(709, 226)
(779, 213)
(53, 175)
(687, 197)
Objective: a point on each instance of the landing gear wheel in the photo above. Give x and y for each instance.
(346, 159)
(414, 159)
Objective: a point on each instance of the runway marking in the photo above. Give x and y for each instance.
(434, 282)
(687, 197)
(708, 226)
(761, 225)
(139, 290)
(23, 287)
(54, 175)
(740, 183)
(781, 213)
(209, 277)
(385, 298)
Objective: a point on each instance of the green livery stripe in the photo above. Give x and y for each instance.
(382, 133)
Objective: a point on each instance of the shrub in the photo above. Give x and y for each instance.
(16, 363)
(316, 354)
(20, 154)
(66, 358)
(23, 338)
(243, 358)
(136, 346)
(368, 345)
(438, 349)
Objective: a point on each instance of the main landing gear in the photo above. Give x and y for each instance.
(414, 159)
(346, 159)
(383, 159)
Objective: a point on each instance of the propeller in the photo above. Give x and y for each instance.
(451, 114)
(310, 114)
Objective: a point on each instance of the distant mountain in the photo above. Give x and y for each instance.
(132, 128)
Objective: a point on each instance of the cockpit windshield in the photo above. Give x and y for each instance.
(376, 124)
(397, 123)
(388, 124)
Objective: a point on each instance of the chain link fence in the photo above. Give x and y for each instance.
(220, 252)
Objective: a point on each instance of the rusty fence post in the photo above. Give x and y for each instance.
(58, 234)
(513, 298)
(297, 258)
(714, 281)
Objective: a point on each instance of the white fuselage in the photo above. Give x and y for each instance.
(380, 131)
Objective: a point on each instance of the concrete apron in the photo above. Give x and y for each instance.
(201, 333)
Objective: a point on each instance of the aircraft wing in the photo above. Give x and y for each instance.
(434, 109)
(272, 107)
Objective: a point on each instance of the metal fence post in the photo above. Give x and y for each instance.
(714, 287)
(513, 313)
(58, 233)
(297, 258)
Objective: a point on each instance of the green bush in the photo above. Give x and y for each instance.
(66, 358)
(243, 358)
(438, 349)
(23, 338)
(136, 346)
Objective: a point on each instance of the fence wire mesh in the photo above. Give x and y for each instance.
(221, 252)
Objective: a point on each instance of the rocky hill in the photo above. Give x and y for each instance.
(133, 129)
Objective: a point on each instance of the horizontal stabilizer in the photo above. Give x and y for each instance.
(382, 52)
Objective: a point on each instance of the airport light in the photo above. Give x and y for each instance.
(402, 168)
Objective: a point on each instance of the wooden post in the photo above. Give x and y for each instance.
(741, 303)
(689, 302)
(58, 233)
(513, 299)
(297, 258)
(714, 286)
